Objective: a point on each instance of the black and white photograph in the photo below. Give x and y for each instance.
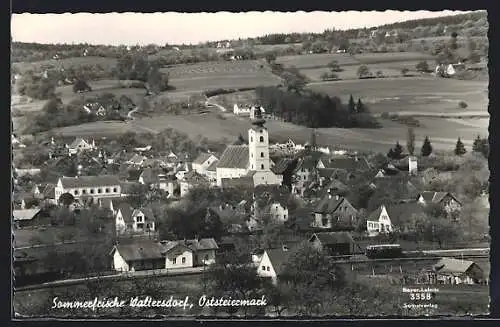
(250, 165)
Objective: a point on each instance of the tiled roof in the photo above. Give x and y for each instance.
(278, 259)
(194, 245)
(49, 191)
(202, 158)
(213, 166)
(435, 197)
(133, 175)
(347, 163)
(283, 164)
(77, 141)
(329, 205)
(235, 156)
(126, 211)
(193, 177)
(306, 163)
(125, 186)
(136, 159)
(242, 182)
(398, 212)
(90, 181)
(148, 213)
(333, 237)
(26, 214)
(140, 251)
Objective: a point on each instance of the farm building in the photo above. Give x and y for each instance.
(454, 271)
(189, 253)
(272, 263)
(252, 161)
(28, 218)
(136, 256)
(333, 243)
(334, 211)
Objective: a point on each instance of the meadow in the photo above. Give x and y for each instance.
(316, 60)
(105, 62)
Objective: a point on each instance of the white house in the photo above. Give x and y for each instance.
(203, 161)
(253, 160)
(79, 145)
(278, 212)
(272, 263)
(104, 186)
(379, 222)
(136, 160)
(241, 110)
(129, 220)
(145, 255)
(189, 253)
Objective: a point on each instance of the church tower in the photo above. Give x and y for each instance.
(258, 144)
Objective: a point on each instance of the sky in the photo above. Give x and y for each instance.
(178, 28)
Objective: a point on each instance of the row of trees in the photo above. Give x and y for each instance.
(313, 109)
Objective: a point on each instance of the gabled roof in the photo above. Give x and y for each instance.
(328, 238)
(140, 251)
(148, 213)
(435, 197)
(49, 191)
(329, 205)
(137, 159)
(77, 141)
(306, 163)
(282, 165)
(134, 174)
(234, 156)
(26, 214)
(90, 181)
(278, 259)
(213, 166)
(347, 163)
(398, 212)
(126, 211)
(450, 265)
(193, 245)
(204, 156)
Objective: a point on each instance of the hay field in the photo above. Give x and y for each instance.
(213, 75)
(425, 95)
(98, 87)
(316, 60)
(106, 63)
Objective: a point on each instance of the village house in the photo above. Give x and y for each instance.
(192, 180)
(203, 161)
(79, 145)
(104, 186)
(348, 163)
(182, 170)
(136, 160)
(445, 199)
(273, 263)
(303, 174)
(144, 255)
(109, 204)
(253, 160)
(388, 218)
(95, 108)
(132, 221)
(333, 243)
(24, 200)
(449, 70)
(189, 253)
(454, 271)
(157, 178)
(28, 218)
(334, 211)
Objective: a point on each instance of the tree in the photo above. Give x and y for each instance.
(294, 82)
(404, 71)
(380, 74)
(334, 66)
(460, 148)
(137, 195)
(81, 86)
(157, 81)
(410, 141)
(481, 145)
(66, 199)
(426, 147)
(422, 66)
(363, 71)
(361, 108)
(270, 57)
(351, 106)
(396, 152)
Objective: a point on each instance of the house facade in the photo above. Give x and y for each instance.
(333, 243)
(132, 221)
(334, 211)
(445, 199)
(272, 264)
(189, 253)
(103, 186)
(80, 145)
(203, 161)
(138, 256)
(379, 222)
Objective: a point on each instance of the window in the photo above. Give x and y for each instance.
(262, 138)
(262, 166)
(251, 154)
(251, 138)
(304, 177)
(252, 166)
(76, 192)
(91, 191)
(139, 219)
(324, 221)
(99, 190)
(206, 257)
(173, 261)
(183, 260)
(262, 154)
(303, 170)
(115, 189)
(140, 226)
(268, 268)
(106, 190)
(264, 268)
(84, 191)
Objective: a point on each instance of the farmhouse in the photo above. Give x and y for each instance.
(333, 243)
(445, 199)
(189, 253)
(80, 145)
(454, 271)
(133, 221)
(273, 263)
(334, 210)
(104, 186)
(252, 160)
(136, 256)
(203, 162)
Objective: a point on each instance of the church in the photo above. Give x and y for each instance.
(252, 161)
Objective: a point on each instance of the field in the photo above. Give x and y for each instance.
(106, 63)
(316, 60)
(417, 95)
(214, 75)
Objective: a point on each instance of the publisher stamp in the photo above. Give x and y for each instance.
(420, 298)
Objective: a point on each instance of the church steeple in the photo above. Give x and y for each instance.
(258, 120)
(258, 144)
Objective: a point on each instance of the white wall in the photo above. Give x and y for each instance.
(229, 173)
(267, 178)
(119, 263)
(265, 268)
(178, 254)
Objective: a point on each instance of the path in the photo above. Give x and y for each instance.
(133, 122)
(208, 103)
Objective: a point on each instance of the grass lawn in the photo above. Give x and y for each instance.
(106, 63)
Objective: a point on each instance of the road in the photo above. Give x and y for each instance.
(208, 104)
(135, 124)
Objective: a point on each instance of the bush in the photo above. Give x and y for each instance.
(384, 115)
(462, 104)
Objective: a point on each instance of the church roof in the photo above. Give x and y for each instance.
(235, 156)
